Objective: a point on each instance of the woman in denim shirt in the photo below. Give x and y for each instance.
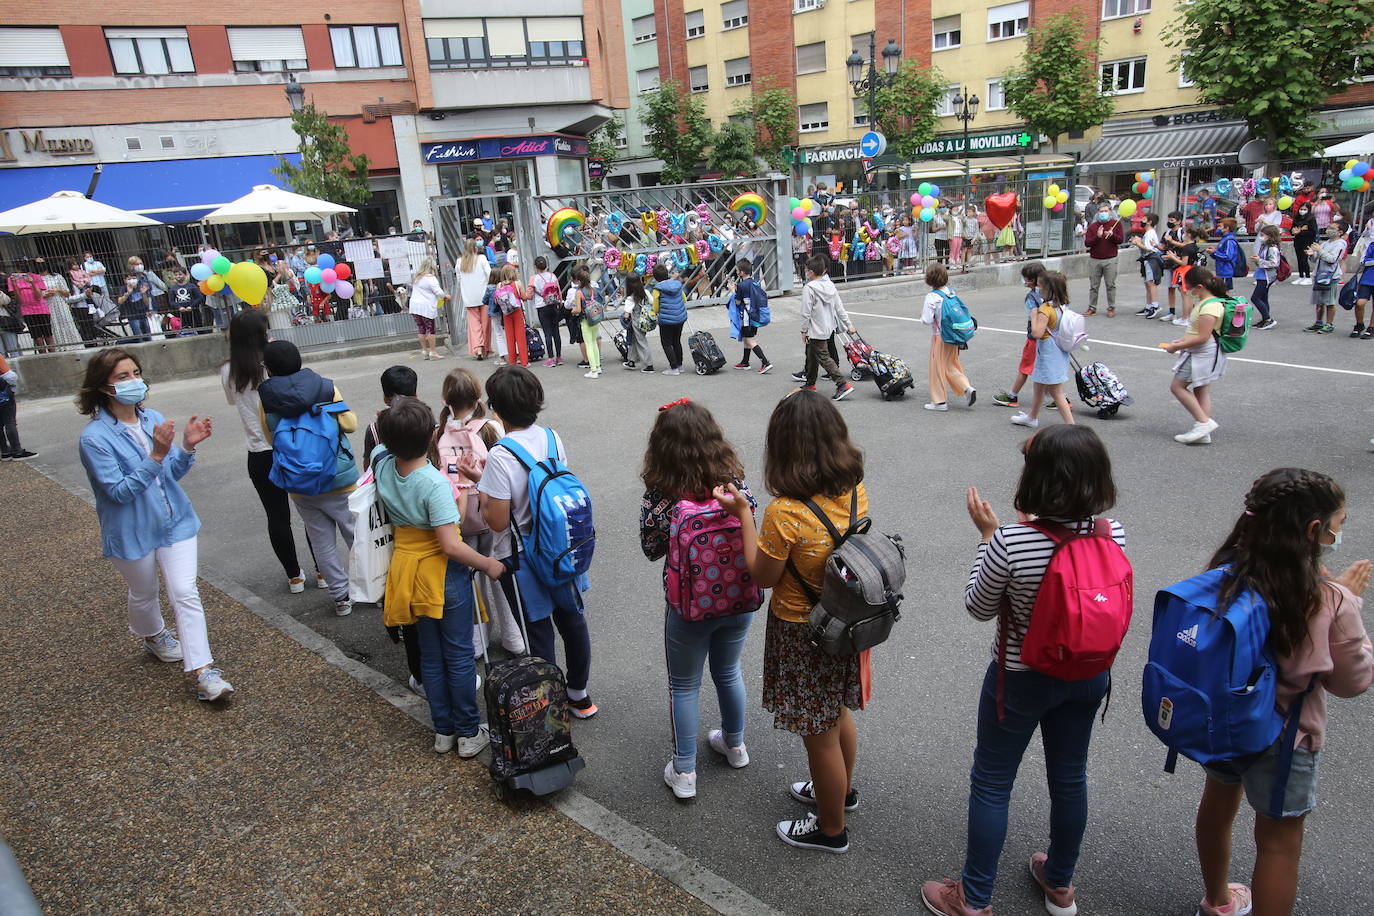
(146, 521)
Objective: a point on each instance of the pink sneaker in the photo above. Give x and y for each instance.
(946, 898)
(549, 363)
(558, 361)
(1241, 903)
(1058, 900)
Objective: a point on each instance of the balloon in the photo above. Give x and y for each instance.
(328, 275)
(205, 289)
(916, 199)
(1350, 163)
(215, 283)
(343, 271)
(221, 265)
(1262, 186)
(312, 275)
(923, 189)
(916, 211)
(1052, 190)
(1223, 186)
(1051, 201)
(798, 212)
(927, 214)
(325, 261)
(934, 190)
(1285, 184)
(248, 282)
(1126, 209)
(801, 228)
(793, 203)
(1360, 168)
(1147, 176)
(1148, 193)
(928, 201)
(1062, 197)
(1058, 207)
(1285, 202)
(1141, 187)
(1000, 208)
(327, 287)
(344, 289)
(208, 255)
(1353, 184)
(1346, 174)
(809, 204)
(201, 271)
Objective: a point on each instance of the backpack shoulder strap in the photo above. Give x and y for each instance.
(515, 448)
(553, 446)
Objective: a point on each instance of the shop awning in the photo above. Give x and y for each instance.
(1360, 146)
(1180, 148)
(948, 168)
(175, 191)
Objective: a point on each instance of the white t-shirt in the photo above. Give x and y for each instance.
(930, 311)
(472, 286)
(246, 403)
(506, 478)
(540, 282)
(1151, 240)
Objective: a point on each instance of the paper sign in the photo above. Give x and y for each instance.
(399, 268)
(393, 247)
(368, 268)
(355, 250)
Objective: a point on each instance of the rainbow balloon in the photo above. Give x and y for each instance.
(562, 222)
(751, 204)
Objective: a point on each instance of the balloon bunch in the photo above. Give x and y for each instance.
(215, 271)
(924, 201)
(1357, 175)
(331, 277)
(801, 209)
(1055, 198)
(1145, 185)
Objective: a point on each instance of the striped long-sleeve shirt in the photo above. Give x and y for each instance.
(1012, 565)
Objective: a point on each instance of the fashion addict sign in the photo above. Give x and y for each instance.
(502, 148)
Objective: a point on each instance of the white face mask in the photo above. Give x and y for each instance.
(1328, 549)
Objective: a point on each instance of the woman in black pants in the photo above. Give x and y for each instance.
(240, 377)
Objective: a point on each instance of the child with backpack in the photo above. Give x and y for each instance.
(1203, 361)
(641, 317)
(1328, 262)
(511, 301)
(311, 457)
(582, 304)
(396, 381)
(1314, 642)
(463, 439)
(1030, 276)
(808, 457)
(429, 583)
(1027, 576)
(493, 307)
(1052, 363)
(548, 305)
(1230, 262)
(752, 304)
(822, 313)
(1266, 260)
(951, 328)
(680, 520)
(516, 397)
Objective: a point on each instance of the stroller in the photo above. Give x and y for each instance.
(1100, 389)
(858, 352)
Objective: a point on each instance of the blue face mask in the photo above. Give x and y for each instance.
(1335, 545)
(1103, 216)
(130, 391)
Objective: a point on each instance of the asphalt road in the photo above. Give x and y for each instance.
(1292, 399)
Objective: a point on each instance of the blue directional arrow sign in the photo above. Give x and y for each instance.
(872, 144)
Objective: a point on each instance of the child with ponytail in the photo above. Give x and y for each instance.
(1202, 362)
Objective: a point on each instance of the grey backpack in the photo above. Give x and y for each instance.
(859, 598)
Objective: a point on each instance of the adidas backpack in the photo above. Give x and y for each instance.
(452, 445)
(562, 538)
(309, 450)
(956, 324)
(705, 575)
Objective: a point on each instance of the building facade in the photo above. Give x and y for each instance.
(635, 165)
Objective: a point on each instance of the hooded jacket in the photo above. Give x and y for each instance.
(287, 396)
(822, 311)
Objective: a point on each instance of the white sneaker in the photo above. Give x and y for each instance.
(1198, 432)
(472, 745)
(594, 373)
(443, 743)
(296, 583)
(940, 407)
(684, 785)
(343, 607)
(319, 581)
(737, 757)
(1181, 322)
(163, 646)
(211, 685)
(1023, 419)
(1166, 315)
(416, 687)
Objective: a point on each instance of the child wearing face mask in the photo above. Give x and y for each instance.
(1304, 237)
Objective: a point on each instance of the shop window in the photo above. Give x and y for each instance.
(267, 50)
(996, 97)
(645, 28)
(153, 52)
(647, 80)
(364, 46)
(737, 72)
(734, 15)
(811, 58)
(947, 32)
(813, 117)
(696, 24)
(1114, 9)
(33, 52)
(1008, 21)
(698, 80)
(1120, 77)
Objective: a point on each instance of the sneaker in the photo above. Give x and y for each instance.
(549, 363)
(1199, 430)
(628, 365)
(1314, 326)
(319, 581)
(444, 743)
(1145, 312)
(164, 646)
(1327, 328)
(677, 371)
(1241, 903)
(472, 745)
(1152, 313)
(805, 793)
(1091, 310)
(296, 583)
(798, 376)
(972, 396)
(23, 455)
(584, 365)
(943, 405)
(684, 785)
(763, 370)
(1058, 900)
(946, 898)
(6, 457)
(558, 360)
(1111, 311)
(416, 687)
(1024, 419)
(741, 365)
(211, 685)
(1167, 315)
(592, 373)
(583, 708)
(737, 757)
(843, 391)
(1006, 399)
(1268, 323)
(1303, 281)
(805, 833)
(648, 369)
(1181, 322)
(1368, 332)
(1356, 331)
(343, 607)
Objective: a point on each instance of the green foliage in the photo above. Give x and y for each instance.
(773, 110)
(905, 108)
(1057, 88)
(328, 170)
(732, 150)
(1271, 62)
(678, 130)
(601, 145)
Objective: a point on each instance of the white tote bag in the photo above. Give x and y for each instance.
(373, 543)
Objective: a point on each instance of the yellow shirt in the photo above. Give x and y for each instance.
(1213, 307)
(1052, 313)
(792, 530)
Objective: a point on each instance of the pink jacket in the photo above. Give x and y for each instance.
(1337, 650)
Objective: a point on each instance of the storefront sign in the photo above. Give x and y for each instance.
(502, 148)
(1199, 162)
(37, 143)
(977, 143)
(596, 168)
(1189, 117)
(829, 154)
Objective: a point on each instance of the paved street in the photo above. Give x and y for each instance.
(1290, 399)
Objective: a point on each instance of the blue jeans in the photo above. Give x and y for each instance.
(688, 645)
(1064, 711)
(138, 327)
(450, 673)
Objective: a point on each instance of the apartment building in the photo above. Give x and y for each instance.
(635, 165)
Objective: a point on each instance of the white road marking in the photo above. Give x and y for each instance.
(1112, 343)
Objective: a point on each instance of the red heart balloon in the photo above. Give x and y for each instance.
(1000, 208)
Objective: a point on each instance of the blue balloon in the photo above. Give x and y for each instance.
(325, 261)
(1360, 169)
(201, 271)
(327, 287)
(1346, 174)
(312, 275)
(934, 190)
(801, 228)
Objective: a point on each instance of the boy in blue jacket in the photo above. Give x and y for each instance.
(750, 300)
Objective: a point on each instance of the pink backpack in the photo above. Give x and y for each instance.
(705, 575)
(453, 444)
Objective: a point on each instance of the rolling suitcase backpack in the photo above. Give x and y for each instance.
(890, 374)
(705, 353)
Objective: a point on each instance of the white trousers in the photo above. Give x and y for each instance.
(178, 564)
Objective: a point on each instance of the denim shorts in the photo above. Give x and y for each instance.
(1257, 774)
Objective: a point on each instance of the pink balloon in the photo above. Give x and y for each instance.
(328, 276)
(1057, 207)
(344, 289)
(208, 255)
(799, 213)
(915, 200)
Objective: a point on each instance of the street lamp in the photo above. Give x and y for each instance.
(967, 107)
(295, 94)
(868, 84)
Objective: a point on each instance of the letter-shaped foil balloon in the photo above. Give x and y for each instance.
(627, 261)
(716, 242)
(857, 250)
(1262, 186)
(649, 221)
(641, 264)
(663, 222)
(844, 252)
(703, 249)
(678, 222)
(1223, 186)
(693, 256)
(893, 245)
(611, 258)
(1285, 184)
(680, 257)
(615, 221)
(652, 260)
(703, 214)
(1248, 189)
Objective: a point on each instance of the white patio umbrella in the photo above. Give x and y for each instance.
(269, 203)
(68, 211)
(1360, 146)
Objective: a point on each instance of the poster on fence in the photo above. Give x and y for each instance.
(393, 247)
(368, 268)
(399, 268)
(358, 250)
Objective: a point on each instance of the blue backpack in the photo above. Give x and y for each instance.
(309, 450)
(756, 304)
(561, 541)
(1210, 686)
(956, 324)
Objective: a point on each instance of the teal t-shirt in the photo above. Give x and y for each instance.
(421, 499)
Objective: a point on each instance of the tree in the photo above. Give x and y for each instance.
(601, 144)
(1057, 88)
(678, 130)
(773, 111)
(329, 170)
(733, 150)
(1271, 62)
(905, 108)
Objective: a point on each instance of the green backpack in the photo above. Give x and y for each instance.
(1233, 331)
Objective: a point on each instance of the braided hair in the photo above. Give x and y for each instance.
(1270, 552)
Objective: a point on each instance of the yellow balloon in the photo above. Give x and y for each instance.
(215, 282)
(1062, 197)
(1285, 202)
(1052, 190)
(807, 203)
(248, 282)
(1126, 209)
(1351, 163)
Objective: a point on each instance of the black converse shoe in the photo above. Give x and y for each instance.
(806, 834)
(805, 793)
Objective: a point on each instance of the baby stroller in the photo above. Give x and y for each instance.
(858, 352)
(1100, 389)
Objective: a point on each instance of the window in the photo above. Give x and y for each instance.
(698, 80)
(644, 28)
(150, 51)
(1122, 76)
(167, 142)
(734, 14)
(33, 52)
(621, 142)
(1184, 82)
(647, 79)
(1008, 21)
(947, 32)
(1112, 9)
(133, 143)
(366, 46)
(860, 112)
(814, 117)
(267, 50)
(696, 24)
(737, 72)
(811, 58)
(801, 6)
(1362, 64)
(946, 107)
(859, 44)
(468, 44)
(996, 98)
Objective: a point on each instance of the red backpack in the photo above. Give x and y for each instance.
(1284, 270)
(1083, 608)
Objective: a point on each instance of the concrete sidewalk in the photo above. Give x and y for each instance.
(306, 793)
